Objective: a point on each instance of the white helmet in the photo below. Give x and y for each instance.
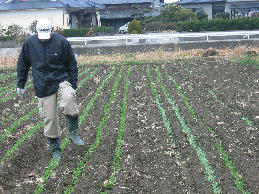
(44, 28)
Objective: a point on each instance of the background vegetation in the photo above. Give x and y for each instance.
(180, 19)
(171, 18)
(218, 24)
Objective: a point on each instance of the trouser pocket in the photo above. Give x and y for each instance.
(41, 109)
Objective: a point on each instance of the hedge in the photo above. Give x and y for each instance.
(219, 24)
(156, 26)
(82, 32)
(4, 38)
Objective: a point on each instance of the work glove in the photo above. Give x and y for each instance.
(20, 91)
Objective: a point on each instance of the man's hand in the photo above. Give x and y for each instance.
(20, 91)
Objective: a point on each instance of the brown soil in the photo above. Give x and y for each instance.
(151, 162)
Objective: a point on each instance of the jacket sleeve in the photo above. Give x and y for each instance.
(71, 64)
(23, 67)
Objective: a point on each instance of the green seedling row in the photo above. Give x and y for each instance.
(53, 163)
(239, 182)
(17, 144)
(30, 132)
(88, 153)
(159, 92)
(4, 89)
(167, 126)
(5, 77)
(7, 119)
(14, 94)
(243, 118)
(31, 113)
(82, 82)
(120, 136)
(208, 170)
(28, 86)
(95, 97)
(13, 89)
(18, 123)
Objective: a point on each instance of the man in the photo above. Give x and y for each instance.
(54, 72)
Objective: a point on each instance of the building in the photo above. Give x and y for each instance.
(76, 13)
(242, 8)
(236, 8)
(62, 13)
(211, 7)
(117, 12)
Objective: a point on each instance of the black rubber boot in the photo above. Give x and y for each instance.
(72, 125)
(54, 145)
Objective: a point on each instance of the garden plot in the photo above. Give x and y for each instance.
(183, 127)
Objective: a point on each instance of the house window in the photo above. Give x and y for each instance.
(255, 9)
(197, 9)
(218, 8)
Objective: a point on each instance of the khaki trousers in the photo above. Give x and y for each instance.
(48, 108)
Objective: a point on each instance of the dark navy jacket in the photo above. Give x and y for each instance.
(51, 62)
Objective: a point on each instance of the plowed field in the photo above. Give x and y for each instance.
(183, 127)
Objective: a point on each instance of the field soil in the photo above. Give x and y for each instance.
(187, 126)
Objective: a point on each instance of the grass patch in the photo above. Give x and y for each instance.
(247, 60)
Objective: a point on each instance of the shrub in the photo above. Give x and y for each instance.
(59, 30)
(201, 15)
(32, 27)
(4, 38)
(134, 32)
(223, 15)
(2, 30)
(175, 13)
(160, 26)
(191, 26)
(134, 26)
(103, 29)
(82, 32)
(221, 24)
(149, 19)
(218, 24)
(14, 31)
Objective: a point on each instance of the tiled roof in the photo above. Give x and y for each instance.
(106, 2)
(198, 1)
(126, 14)
(81, 3)
(37, 4)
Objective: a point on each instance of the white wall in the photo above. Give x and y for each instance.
(25, 17)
